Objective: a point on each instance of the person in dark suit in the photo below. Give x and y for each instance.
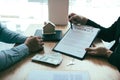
(109, 34)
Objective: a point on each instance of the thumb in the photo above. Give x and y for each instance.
(93, 45)
(90, 49)
(72, 14)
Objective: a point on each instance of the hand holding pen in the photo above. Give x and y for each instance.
(73, 19)
(70, 20)
(77, 20)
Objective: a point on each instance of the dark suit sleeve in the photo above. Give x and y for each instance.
(114, 59)
(107, 34)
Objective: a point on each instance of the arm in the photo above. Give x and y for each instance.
(107, 34)
(9, 36)
(114, 58)
(11, 56)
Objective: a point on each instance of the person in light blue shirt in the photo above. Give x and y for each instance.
(24, 46)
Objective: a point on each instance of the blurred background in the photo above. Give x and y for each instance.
(20, 13)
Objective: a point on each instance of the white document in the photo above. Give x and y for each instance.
(76, 40)
(58, 75)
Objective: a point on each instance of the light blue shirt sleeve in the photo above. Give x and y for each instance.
(13, 55)
(9, 36)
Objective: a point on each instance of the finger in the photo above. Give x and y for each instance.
(31, 37)
(91, 52)
(75, 19)
(90, 49)
(41, 46)
(41, 43)
(71, 15)
(72, 18)
(39, 37)
(41, 40)
(93, 45)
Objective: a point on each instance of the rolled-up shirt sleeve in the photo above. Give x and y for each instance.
(13, 55)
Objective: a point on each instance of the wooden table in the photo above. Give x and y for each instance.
(98, 68)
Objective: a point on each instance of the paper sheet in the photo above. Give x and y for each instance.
(58, 75)
(76, 40)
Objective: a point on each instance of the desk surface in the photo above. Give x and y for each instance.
(98, 68)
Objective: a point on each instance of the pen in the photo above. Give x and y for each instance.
(71, 25)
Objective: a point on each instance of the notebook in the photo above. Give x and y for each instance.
(76, 40)
(58, 75)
